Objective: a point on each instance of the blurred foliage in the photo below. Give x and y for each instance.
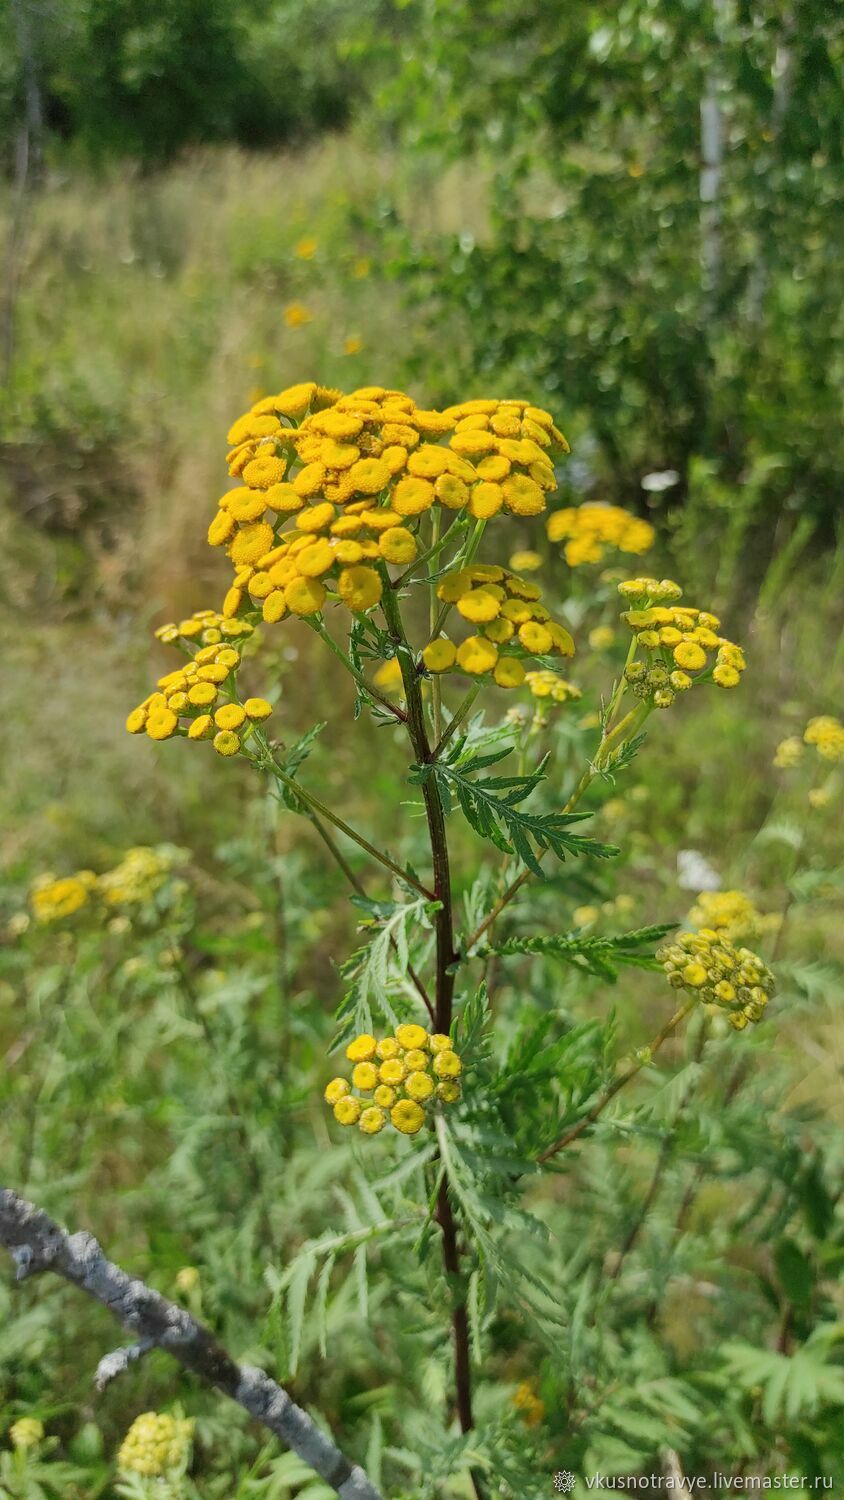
(113, 80)
(664, 237)
(540, 229)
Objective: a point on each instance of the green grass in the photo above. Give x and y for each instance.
(163, 1082)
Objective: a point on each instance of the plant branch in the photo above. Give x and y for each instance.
(445, 963)
(391, 708)
(617, 1084)
(624, 730)
(437, 545)
(455, 722)
(37, 1243)
(313, 802)
(360, 890)
(443, 920)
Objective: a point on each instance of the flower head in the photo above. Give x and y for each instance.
(52, 900)
(709, 967)
(27, 1432)
(826, 735)
(789, 753)
(677, 640)
(510, 624)
(331, 488)
(732, 914)
(198, 700)
(402, 1073)
(155, 1445)
(589, 530)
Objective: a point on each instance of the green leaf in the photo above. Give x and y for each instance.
(293, 759)
(795, 1271)
(492, 806)
(601, 956)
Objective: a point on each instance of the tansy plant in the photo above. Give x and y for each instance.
(366, 516)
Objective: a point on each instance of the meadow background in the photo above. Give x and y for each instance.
(629, 215)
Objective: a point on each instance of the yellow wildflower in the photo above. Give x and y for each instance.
(296, 315)
(155, 1445)
(710, 967)
(589, 530)
(27, 1432)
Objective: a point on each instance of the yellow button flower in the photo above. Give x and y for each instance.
(419, 1086)
(315, 518)
(257, 708)
(451, 491)
(362, 1049)
(415, 1058)
(440, 655)
(338, 1088)
(384, 1096)
(448, 1092)
(360, 588)
(392, 1071)
(230, 716)
(315, 559)
(410, 1036)
(226, 742)
(412, 496)
(447, 1065)
(161, 724)
(407, 1116)
(479, 606)
(486, 500)
(509, 673)
(476, 655)
(365, 1076)
(372, 1120)
(689, 655)
(347, 1111)
(398, 545)
(304, 596)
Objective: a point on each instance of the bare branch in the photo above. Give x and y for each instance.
(37, 1243)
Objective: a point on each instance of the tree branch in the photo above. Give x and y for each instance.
(37, 1243)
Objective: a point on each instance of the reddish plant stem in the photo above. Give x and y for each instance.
(446, 960)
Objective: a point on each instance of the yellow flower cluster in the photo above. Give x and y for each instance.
(678, 640)
(139, 876)
(52, 900)
(546, 684)
(789, 753)
(827, 736)
(733, 915)
(205, 627)
(27, 1432)
(507, 446)
(590, 530)
(401, 1073)
(155, 1445)
(710, 967)
(512, 624)
(134, 881)
(530, 1407)
(357, 471)
(184, 703)
(325, 548)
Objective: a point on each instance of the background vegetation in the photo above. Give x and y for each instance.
(631, 216)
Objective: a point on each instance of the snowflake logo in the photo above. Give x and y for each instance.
(564, 1482)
